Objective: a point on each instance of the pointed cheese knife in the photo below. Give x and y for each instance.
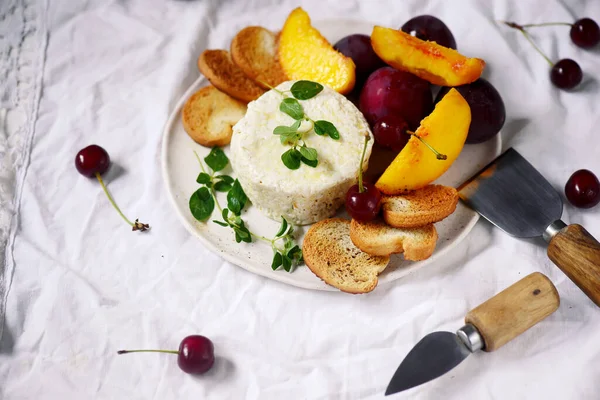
(514, 196)
(487, 327)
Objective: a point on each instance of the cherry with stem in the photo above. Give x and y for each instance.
(584, 32)
(363, 200)
(195, 354)
(93, 161)
(565, 73)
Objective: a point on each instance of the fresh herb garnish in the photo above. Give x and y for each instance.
(291, 135)
(289, 255)
(203, 201)
(304, 90)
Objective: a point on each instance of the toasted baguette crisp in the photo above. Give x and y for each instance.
(379, 239)
(420, 207)
(329, 253)
(209, 114)
(221, 71)
(254, 50)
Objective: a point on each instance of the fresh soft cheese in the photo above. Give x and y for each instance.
(305, 195)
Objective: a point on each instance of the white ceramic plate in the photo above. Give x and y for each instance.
(180, 169)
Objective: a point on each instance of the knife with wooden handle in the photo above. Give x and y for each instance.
(487, 327)
(514, 196)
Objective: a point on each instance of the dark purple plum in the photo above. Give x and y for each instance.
(428, 27)
(487, 109)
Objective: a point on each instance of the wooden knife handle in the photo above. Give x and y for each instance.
(514, 310)
(577, 254)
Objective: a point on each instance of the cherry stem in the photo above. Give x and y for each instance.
(536, 48)
(524, 32)
(546, 24)
(438, 155)
(147, 351)
(111, 199)
(361, 188)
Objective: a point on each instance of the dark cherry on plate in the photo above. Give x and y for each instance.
(585, 33)
(391, 131)
(487, 109)
(428, 27)
(91, 160)
(195, 355)
(389, 91)
(566, 74)
(583, 189)
(363, 206)
(358, 47)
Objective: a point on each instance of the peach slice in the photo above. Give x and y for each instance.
(416, 166)
(305, 54)
(428, 60)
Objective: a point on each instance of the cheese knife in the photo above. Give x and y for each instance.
(487, 327)
(511, 194)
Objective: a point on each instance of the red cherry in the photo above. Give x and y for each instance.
(391, 131)
(363, 206)
(585, 33)
(92, 160)
(583, 189)
(566, 74)
(195, 356)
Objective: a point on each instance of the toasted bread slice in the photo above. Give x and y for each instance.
(330, 254)
(221, 71)
(209, 114)
(420, 207)
(254, 50)
(379, 239)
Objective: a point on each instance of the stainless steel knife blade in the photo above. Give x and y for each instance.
(434, 355)
(514, 196)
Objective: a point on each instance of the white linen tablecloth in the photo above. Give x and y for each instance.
(76, 285)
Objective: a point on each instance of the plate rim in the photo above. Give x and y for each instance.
(264, 272)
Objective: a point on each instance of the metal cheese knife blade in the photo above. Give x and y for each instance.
(514, 196)
(487, 327)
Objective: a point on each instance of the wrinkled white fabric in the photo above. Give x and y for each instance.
(84, 286)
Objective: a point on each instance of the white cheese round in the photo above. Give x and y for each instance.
(305, 195)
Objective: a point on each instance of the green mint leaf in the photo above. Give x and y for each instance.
(223, 186)
(225, 214)
(283, 228)
(295, 253)
(236, 198)
(277, 260)
(292, 108)
(310, 163)
(284, 130)
(326, 128)
(220, 223)
(287, 263)
(224, 178)
(309, 153)
(203, 178)
(202, 204)
(291, 158)
(243, 234)
(216, 159)
(304, 90)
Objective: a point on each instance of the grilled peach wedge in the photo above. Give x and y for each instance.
(305, 54)
(428, 60)
(445, 130)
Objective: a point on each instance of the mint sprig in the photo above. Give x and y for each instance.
(203, 201)
(288, 255)
(291, 135)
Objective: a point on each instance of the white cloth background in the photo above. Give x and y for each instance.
(84, 286)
